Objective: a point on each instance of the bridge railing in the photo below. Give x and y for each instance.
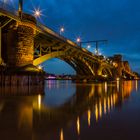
(8, 8)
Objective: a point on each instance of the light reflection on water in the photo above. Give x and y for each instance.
(68, 111)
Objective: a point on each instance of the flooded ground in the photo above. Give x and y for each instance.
(63, 110)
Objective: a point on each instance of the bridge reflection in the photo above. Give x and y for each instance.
(27, 117)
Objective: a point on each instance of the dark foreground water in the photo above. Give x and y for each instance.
(68, 111)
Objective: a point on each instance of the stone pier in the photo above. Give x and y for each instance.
(18, 48)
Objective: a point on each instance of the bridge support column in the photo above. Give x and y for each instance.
(20, 46)
(25, 46)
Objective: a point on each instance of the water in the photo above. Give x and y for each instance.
(68, 111)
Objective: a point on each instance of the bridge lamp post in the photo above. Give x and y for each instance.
(62, 30)
(20, 8)
(88, 46)
(78, 40)
(37, 13)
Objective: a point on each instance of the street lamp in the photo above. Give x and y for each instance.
(62, 30)
(37, 13)
(88, 46)
(20, 8)
(78, 40)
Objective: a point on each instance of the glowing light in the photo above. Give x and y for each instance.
(105, 87)
(89, 117)
(96, 51)
(114, 99)
(111, 101)
(61, 135)
(108, 100)
(115, 64)
(78, 125)
(96, 112)
(78, 40)
(37, 13)
(100, 109)
(39, 101)
(105, 75)
(88, 47)
(136, 85)
(40, 67)
(117, 78)
(118, 85)
(104, 105)
(62, 30)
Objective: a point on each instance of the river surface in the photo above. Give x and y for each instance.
(63, 110)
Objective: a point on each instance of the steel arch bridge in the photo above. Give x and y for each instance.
(47, 45)
(83, 61)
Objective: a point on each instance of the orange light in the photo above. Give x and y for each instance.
(78, 125)
(89, 117)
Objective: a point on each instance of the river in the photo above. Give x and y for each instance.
(63, 110)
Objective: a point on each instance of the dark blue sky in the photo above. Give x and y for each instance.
(115, 20)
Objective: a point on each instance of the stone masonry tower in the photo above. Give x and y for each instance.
(20, 40)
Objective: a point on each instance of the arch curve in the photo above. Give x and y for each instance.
(79, 64)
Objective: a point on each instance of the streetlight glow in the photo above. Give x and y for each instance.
(37, 13)
(40, 67)
(78, 40)
(88, 46)
(62, 30)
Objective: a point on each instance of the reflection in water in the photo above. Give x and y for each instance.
(61, 135)
(118, 85)
(89, 117)
(105, 106)
(96, 112)
(78, 126)
(100, 109)
(39, 101)
(35, 117)
(105, 87)
(136, 84)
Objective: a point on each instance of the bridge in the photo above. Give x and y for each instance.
(25, 43)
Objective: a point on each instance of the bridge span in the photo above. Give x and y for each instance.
(25, 44)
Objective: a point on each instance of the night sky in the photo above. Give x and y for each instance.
(118, 21)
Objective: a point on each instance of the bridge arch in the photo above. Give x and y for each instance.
(105, 71)
(80, 65)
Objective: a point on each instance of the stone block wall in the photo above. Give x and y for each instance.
(20, 46)
(25, 46)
